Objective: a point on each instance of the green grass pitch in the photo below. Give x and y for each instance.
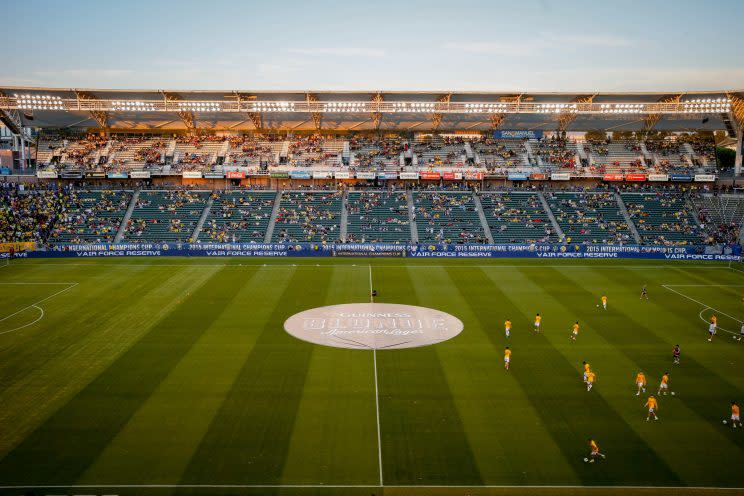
(175, 376)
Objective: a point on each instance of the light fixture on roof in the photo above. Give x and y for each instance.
(706, 105)
(199, 106)
(133, 106)
(39, 102)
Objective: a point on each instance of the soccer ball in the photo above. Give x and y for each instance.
(673, 393)
(725, 422)
(597, 305)
(586, 460)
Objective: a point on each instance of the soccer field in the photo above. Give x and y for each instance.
(175, 376)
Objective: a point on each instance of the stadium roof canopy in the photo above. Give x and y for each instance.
(238, 110)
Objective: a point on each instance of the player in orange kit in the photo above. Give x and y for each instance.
(587, 369)
(664, 386)
(507, 327)
(590, 378)
(538, 321)
(652, 405)
(712, 327)
(595, 450)
(507, 357)
(574, 331)
(735, 419)
(641, 383)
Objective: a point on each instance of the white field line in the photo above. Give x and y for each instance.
(33, 283)
(414, 265)
(704, 285)
(36, 304)
(337, 486)
(377, 390)
(667, 287)
(718, 328)
(377, 408)
(41, 316)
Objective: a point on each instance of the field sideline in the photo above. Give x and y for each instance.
(174, 376)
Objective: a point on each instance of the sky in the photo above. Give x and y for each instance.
(514, 46)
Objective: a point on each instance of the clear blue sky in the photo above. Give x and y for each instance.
(520, 45)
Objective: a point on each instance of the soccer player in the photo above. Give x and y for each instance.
(641, 382)
(741, 333)
(595, 450)
(644, 293)
(735, 415)
(507, 357)
(604, 302)
(587, 369)
(538, 320)
(590, 378)
(712, 327)
(652, 405)
(507, 327)
(574, 331)
(675, 354)
(664, 386)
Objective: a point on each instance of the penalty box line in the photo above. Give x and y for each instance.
(668, 287)
(36, 304)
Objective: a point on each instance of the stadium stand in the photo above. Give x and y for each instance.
(378, 217)
(721, 217)
(517, 217)
(590, 217)
(90, 216)
(663, 218)
(447, 217)
(29, 215)
(499, 154)
(615, 157)
(131, 153)
(165, 216)
(437, 150)
(376, 153)
(239, 217)
(315, 150)
(251, 151)
(308, 216)
(555, 152)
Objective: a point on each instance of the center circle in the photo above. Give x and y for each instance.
(373, 326)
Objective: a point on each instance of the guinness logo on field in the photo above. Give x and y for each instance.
(373, 326)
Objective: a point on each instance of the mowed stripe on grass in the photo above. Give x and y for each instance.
(66, 444)
(423, 438)
(210, 389)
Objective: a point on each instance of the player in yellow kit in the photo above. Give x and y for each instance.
(538, 321)
(641, 383)
(587, 369)
(604, 302)
(664, 386)
(712, 327)
(590, 378)
(652, 405)
(595, 450)
(507, 357)
(507, 327)
(574, 331)
(735, 419)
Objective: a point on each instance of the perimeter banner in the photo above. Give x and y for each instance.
(17, 247)
(381, 250)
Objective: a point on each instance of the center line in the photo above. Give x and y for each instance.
(377, 391)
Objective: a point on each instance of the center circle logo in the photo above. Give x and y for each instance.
(373, 326)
